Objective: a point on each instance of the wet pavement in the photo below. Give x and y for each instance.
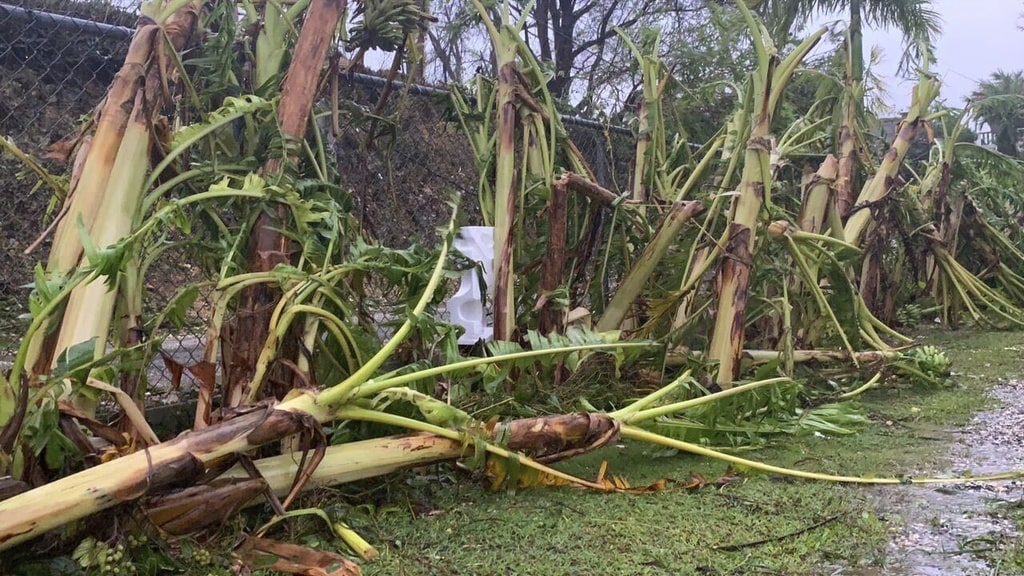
(948, 530)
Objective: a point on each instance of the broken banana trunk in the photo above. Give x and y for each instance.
(182, 462)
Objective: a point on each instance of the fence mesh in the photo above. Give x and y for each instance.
(57, 58)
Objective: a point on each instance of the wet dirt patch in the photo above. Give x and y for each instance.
(954, 530)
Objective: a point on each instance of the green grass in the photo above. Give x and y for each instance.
(567, 531)
(464, 530)
(1007, 553)
(440, 522)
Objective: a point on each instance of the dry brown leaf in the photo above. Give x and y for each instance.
(601, 472)
(264, 554)
(104, 431)
(198, 507)
(696, 481)
(61, 150)
(206, 373)
(174, 368)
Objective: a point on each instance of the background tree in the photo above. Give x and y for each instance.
(564, 31)
(586, 61)
(711, 59)
(447, 52)
(1000, 103)
(915, 19)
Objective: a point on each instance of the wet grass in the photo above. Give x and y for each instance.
(727, 530)
(762, 524)
(1007, 554)
(441, 522)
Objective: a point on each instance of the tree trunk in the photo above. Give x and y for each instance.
(184, 460)
(728, 336)
(564, 28)
(247, 333)
(554, 260)
(845, 194)
(734, 274)
(504, 193)
(854, 104)
(857, 46)
(542, 13)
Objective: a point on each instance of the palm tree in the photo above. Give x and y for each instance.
(916, 19)
(999, 101)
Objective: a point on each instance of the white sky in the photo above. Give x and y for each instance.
(978, 37)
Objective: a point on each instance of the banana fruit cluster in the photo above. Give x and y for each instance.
(931, 360)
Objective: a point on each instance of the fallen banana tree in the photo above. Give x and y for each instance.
(182, 461)
(448, 433)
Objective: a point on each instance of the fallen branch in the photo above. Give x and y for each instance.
(799, 356)
(183, 461)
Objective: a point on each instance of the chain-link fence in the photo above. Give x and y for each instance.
(57, 58)
(402, 169)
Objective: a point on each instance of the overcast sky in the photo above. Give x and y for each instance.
(978, 37)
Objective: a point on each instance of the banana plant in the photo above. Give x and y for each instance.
(358, 397)
(104, 201)
(768, 83)
(859, 221)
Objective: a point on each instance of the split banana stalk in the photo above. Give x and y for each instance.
(505, 44)
(879, 187)
(769, 81)
(105, 200)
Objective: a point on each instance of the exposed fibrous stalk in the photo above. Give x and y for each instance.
(105, 198)
(768, 81)
(881, 184)
(819, 197)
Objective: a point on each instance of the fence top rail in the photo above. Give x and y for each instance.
(423, 90)
(62, 22)
(70, 23)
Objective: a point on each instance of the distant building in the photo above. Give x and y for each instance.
(890, 126)
(986, 136)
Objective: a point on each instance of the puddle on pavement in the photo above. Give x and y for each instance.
(939, 526)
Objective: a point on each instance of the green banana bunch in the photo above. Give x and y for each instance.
(384, 24)
(930, 360)
(910, 315)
